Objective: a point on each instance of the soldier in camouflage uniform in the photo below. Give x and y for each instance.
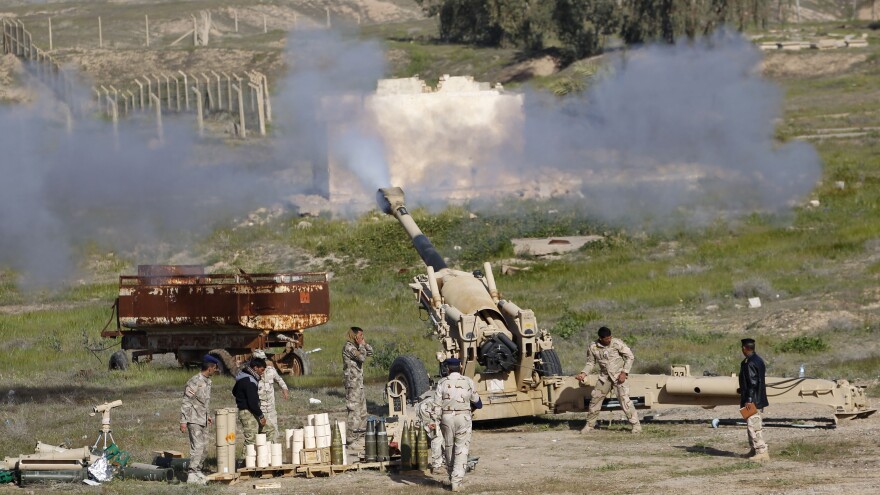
(267, 392)
(615, 359)
(429, 413)
(354, 353)
(194, 418)
(457, 396)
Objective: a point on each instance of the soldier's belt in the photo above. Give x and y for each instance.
(456, 411)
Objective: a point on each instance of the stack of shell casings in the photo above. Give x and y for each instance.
(224, 424)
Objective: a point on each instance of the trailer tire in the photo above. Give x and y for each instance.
(119, 361)
(551, 365)
(228, 364)
(300, 364)
(411, 371)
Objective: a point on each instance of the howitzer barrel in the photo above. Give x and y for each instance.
(716, 386)
(390, 201)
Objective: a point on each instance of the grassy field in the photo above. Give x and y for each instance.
(675, 296)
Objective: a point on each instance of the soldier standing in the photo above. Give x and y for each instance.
(457, 396)
(354, 353)
(753, 389)
(267, 391)
(615, 359)
(247, 399)
(429, 413)
(194, 418)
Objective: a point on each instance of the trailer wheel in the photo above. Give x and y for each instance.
(551, 365)
(119, 361)
(411, 371)
(299, 363)
(228, 365)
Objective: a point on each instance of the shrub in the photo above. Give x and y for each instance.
(384, 353)
(802, 345)
(753, 287)
(573, 322)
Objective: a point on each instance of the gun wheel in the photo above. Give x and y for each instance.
(550, 364)
(410, 371)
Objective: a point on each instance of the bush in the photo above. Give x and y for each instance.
(384, 353)
(573, 322)
(753, 287)
(803, 345)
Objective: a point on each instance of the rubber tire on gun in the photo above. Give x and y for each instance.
(411, 371)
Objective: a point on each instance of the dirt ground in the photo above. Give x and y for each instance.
(678, 452)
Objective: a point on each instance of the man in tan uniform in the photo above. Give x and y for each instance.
(615, 359)
(267, 391)
(194, 418)
(354, 353)
(429, 413)
(457, 396)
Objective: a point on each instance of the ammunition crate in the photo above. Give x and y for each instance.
(314, 456)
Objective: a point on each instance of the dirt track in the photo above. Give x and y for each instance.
(679, 452)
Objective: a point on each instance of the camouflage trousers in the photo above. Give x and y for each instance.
(456, 428)
(250, 427)
(437, 455)
(755, 426)
(356, 405)
(602, 389)
(198, 446)
(271, 413)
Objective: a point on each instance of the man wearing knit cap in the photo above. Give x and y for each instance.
(194, 418)
(354, 353)
(267, 391)
(247, 400)
(753, 390)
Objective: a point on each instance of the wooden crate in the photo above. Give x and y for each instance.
(314, 456)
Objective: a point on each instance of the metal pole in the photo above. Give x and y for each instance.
(242, 131)
(177, 91)
(235, 14)
(228, 91)
(185, 92)
(158, 116)
(50, 35)
(100, 34)
(199, 117)
(219, 96)
(141, 86)
(208, 91)
(147, 28)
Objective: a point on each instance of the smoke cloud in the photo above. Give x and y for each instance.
(684, 131)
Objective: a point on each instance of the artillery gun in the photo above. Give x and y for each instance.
(516, 370)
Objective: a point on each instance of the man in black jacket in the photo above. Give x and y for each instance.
(752, 389)
(247, 398)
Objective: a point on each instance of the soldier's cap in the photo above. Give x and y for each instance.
(357, 329)
(207, 358)
(454, 362)
(259, 354)
(748, 342)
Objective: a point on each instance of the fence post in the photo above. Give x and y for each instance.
(167, 90)
(177, 91)
(228, 91)
(219, 95)
(208, 91)
(147, 28)
(242, 131)
(185, 92)
(258, 89)
(158, 116)
(100, 34)
(141, 86)
(199, 117)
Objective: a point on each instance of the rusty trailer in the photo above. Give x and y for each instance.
(179, 309)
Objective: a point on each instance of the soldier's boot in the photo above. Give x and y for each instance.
(588, 428)
(760, 457)
(455, 487)
(747, 455)
(637, 428)
(194, 478)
